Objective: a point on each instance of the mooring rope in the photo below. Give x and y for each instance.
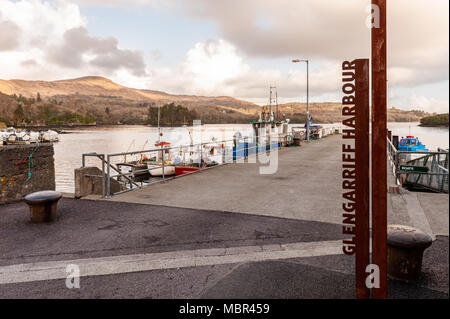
(30, 162)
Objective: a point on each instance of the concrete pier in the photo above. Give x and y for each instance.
(306, 186)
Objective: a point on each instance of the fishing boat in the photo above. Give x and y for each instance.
(411, 144)
(135, 170)
(183, 169)
(189, 168)
(156, 167)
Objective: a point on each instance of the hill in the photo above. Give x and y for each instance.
(103, 87)
(95, 99)
(329, 112)
(106, 102)
(435, 120)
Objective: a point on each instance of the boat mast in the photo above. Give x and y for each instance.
(409, 127)
(159, 128)
(273, 101)
(270, 104)
(278, 110)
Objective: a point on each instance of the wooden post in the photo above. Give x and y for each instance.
(379, 166)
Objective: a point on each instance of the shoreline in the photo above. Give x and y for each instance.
(70, 126)
(57, 127)
(435, 125)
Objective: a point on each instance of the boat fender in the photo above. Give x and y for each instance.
(289, 138)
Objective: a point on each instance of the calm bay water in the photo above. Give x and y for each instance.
(118, 139)
(107, 140)
(432, 137)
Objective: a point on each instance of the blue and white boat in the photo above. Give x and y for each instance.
(411, 144)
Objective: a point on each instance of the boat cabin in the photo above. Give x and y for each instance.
(411, 144)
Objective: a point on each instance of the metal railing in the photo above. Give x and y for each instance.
(230, 151)
(426, 170)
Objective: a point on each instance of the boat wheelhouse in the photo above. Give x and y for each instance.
(411, 144)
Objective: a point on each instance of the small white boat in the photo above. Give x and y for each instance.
(50, 136)
(157, 170)
(34, 137)
(3, 137)
(134, 170)
(23, 136)
(13, 136)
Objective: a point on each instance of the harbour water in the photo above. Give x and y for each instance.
(116, 139)
(432, 137)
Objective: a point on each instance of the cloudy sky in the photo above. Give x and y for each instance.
(233, 47)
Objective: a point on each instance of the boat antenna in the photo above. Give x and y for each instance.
(270, 103)
(190, 137)
(131, 144)
(143, 146)
(129, 147)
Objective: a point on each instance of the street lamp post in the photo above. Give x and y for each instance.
(307, 95)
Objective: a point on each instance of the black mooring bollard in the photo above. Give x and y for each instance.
(43, 206)
(405, 247)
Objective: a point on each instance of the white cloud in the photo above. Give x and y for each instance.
(210, 64)
(323, 30)
(79, 49)
(9, 36)
(123, 2)
(215, 67)
(40, 18)
(42, 25)
(326, 31)
(54, 36)
(50, 40)
(205, 70)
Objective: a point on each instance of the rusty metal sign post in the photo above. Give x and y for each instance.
(379, 164)
(355, 168)
(362, 174)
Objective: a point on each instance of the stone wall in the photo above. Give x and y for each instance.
(88, 181)
(14, 182)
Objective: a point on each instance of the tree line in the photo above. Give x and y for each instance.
(435, 120)
(23, 111)
(170, 115)
(29, 111)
